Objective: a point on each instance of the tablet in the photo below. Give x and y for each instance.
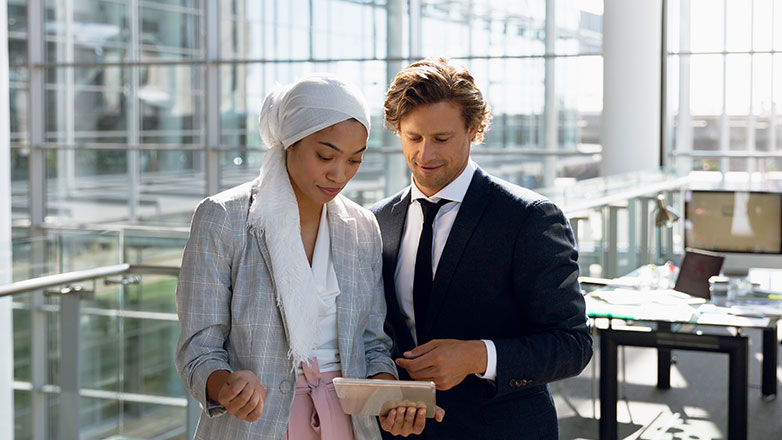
(375, 397)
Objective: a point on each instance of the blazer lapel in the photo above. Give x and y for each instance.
(473, 206)
(344, 243)
(391, 233)
(391, 227)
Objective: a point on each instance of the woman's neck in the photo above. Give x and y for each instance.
(309, 211)
(309, 222)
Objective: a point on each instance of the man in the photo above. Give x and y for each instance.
(489, 306)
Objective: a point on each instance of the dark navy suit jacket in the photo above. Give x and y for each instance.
(508, 273)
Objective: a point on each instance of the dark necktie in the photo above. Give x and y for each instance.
(422, 280)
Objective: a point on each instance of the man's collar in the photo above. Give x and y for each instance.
(454, 191)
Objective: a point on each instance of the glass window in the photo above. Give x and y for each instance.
(739, 32)
(732, 98)
(169, 32)
(707, 25)
(87, 31)
(20, 185)
(105, 186)
(126, 134)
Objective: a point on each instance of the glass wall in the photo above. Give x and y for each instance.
(149, 106)
(725, 85)
(126, 113)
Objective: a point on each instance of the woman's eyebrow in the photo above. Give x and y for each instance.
(334, 147)
(330, 145)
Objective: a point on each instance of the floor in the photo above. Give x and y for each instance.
(695, 407)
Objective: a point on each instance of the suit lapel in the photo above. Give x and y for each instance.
(391, 232)
(392, 224)
(344, 242)
(473, 206)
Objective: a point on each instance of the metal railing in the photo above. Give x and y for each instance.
(70, 291)
(67, 279)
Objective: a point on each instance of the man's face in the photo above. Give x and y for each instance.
(436, 144)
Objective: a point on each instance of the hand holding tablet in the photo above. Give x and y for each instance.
(376, 397)
(402, 406)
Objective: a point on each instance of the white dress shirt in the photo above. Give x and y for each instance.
(408, 248)
(327, 348)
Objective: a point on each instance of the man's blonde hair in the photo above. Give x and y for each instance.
(433, 80)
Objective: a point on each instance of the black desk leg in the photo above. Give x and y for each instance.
(738, 375)
(664, 361)
(769, 386)
(738, 383)
(608, 386)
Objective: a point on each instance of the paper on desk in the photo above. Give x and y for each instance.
(731, 320)
(754, 310)
(646, 296)
(668, 312)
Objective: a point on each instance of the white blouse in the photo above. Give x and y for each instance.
(327, 349)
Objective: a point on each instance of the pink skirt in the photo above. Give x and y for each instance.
(317, 413)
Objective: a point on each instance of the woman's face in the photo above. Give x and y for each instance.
(321, 164)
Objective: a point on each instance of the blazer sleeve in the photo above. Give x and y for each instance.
(376, 342)
(557, 342)
(203, 299)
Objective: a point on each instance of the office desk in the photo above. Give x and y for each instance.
(668, 318)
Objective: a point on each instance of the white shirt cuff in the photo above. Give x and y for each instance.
(491, 361)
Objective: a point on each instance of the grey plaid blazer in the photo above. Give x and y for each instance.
(230, 320)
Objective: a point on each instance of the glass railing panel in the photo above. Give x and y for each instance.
(149, 350)
(163, 247)
(127, 340)
(150, 421)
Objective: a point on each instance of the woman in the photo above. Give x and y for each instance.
(280, 289)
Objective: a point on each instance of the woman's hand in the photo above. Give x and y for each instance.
(240, 392)
(405, 421)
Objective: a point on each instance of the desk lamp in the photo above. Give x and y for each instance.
(663, 216)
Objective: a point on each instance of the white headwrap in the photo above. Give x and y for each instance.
(290, 113)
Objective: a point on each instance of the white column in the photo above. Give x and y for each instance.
(630, 131)
(6, 327)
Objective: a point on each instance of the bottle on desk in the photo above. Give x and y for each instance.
(719, 287)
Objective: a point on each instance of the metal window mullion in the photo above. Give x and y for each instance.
(395, 174)
(212, 107)
(750, 135)
(416, 28)
(134, 114)
(551, 112)
(36, 113)
(66, 108)
(684, 118)
(724, 141)
(610, 238)
(37, 200)
(70, 319)
(665, 124)
(772, 116)
(70, 323)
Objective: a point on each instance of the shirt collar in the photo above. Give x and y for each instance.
(454, 191)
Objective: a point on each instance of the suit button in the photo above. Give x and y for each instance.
(513, 383)
(285, 386)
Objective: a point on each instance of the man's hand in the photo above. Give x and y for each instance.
(408, 420)
(241, 393)
(446, 362)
